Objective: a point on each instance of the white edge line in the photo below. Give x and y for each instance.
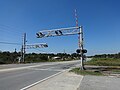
(41, 81)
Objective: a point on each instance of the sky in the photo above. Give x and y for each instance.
(100, 20)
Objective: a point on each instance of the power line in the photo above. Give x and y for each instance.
(10, 43)
(10, 31)
(9, 27)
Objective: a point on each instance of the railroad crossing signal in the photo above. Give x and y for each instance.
(58, 32)
(64, 32)
(33, 46)
(83, 51)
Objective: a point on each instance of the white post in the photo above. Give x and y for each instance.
(81, 48)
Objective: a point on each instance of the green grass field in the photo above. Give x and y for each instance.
(113, 66)
(104, 62)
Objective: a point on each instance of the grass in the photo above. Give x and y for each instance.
(113, 67)
(104, 62)
(85, 72)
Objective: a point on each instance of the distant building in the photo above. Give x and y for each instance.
(56, 58)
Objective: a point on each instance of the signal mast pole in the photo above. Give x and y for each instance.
(80, 42)
(81, 48)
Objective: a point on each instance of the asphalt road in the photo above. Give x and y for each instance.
(16, 77)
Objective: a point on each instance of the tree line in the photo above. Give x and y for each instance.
(12, 57)
(7, 57)
(116, 56)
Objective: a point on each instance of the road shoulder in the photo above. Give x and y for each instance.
(63, 81)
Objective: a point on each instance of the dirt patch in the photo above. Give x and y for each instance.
(105, 70)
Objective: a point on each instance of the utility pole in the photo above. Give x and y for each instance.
(21, 58)
(23, 47)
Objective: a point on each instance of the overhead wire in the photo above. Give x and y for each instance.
(10, 43)
(6, 28)
(11, 31)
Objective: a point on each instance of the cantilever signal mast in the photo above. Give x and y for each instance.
(65, 32)
(29, 46)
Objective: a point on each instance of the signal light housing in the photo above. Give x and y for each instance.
(56, 33)
(40, 35)
(60, 32)
(78, 50)
(83, 51)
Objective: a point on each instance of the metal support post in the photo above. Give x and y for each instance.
(24, 46)
(81, 48)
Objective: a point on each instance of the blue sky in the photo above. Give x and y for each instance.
(100, 19)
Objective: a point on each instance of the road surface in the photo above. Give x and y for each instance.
(16, 77)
